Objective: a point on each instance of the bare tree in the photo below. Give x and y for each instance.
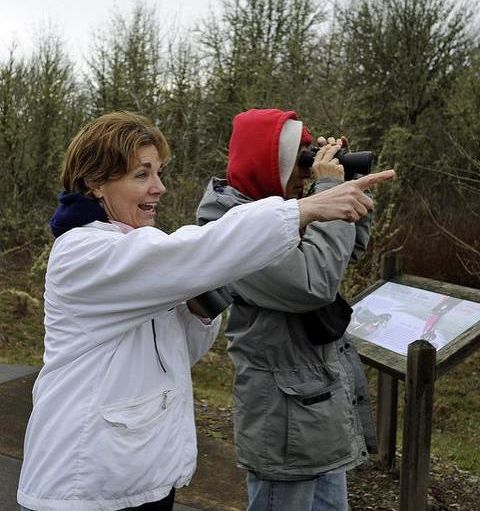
(127, 68)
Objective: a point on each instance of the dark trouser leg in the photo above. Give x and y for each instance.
(165, 504)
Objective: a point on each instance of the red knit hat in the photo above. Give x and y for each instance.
(253, 161)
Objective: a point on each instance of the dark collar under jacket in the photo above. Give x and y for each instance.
(75, 210)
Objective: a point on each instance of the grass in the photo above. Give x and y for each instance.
(213, 376)
(456, 426)
(456, 415)
(21, 318)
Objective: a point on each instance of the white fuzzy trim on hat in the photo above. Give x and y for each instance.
(289, 143)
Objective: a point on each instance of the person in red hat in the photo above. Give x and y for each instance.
(301, 410)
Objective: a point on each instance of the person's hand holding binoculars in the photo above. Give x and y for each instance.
(325, 164)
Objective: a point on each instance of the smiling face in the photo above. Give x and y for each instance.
(133, 198)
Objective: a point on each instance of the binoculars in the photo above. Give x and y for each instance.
(354, 164)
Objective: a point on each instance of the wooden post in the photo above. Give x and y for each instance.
(417, 426)
(387, 401)
(390, 265)
(387, 390)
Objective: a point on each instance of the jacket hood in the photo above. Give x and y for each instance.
(254, 151)
(218, 198)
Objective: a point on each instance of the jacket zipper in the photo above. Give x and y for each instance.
(164, 400)
(156, 347)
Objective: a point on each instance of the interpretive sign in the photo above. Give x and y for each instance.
(394, 315)
(412, 329)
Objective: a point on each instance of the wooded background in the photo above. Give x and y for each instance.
(398, 77)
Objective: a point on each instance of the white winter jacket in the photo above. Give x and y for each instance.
(112, 424)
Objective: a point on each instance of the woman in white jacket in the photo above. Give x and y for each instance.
(112, 425)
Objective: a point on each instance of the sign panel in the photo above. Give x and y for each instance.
(394, 315)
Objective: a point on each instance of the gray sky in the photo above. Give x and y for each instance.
(21, 20)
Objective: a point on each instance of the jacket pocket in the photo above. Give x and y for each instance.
(319, 420)
(136, 414)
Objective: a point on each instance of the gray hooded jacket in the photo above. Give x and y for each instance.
(300, 409)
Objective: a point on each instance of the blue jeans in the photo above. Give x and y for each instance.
(327, 492)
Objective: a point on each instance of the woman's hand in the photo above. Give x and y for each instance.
(343, 202)
(325, 165)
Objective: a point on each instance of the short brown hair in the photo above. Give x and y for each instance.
(106, 149)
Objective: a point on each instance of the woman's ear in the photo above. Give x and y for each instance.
(97, 193)
(94, 189)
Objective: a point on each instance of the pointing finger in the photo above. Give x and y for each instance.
(366, 182)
